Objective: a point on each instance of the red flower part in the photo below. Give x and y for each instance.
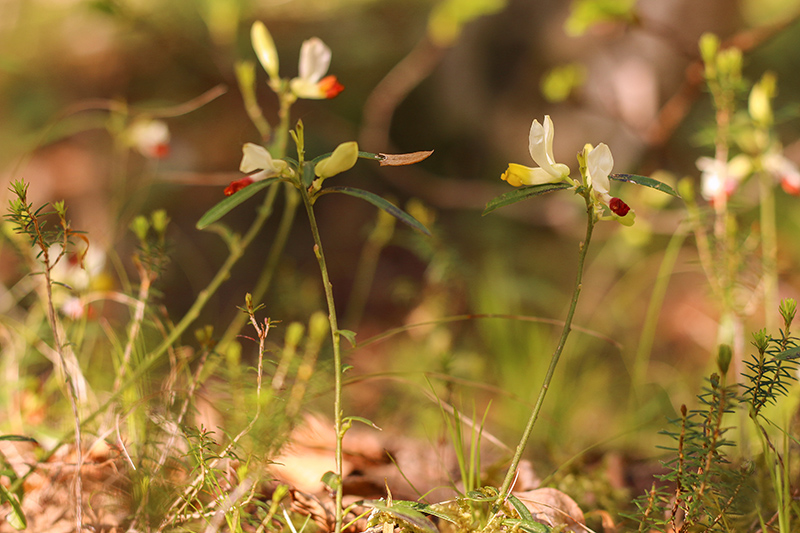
(618, 207)
(330, 86)
(790, 186)
(160, 151)
(238, 185)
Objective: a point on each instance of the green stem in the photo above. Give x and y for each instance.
(337, 354)
(505, 489)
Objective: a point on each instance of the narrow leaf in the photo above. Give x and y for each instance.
(405, 511)
(370, 155)
(791, 353)
(16, 517)
(380, 203)
(363, 421)
(529, 526)
(523, 193)
(645, 181)
(439, 512)
(521, 508)
(17, 438)
(222, 208)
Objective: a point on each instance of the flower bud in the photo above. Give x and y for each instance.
(265, 49)
(343, 158)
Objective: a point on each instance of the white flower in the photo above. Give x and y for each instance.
(256, 158)
(315, 58)
(151, 138)
(599, 163)
(785, 171)
(714, 173)
(540, 146)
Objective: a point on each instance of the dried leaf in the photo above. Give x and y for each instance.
(554, 508)
(397, 160)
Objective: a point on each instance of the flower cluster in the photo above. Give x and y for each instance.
(596, 163)
(259, 164)
(717, 178)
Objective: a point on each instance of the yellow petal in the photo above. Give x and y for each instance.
(265, 48)
(343, 158)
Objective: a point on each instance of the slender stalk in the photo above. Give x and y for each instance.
(337, 354)
(505, 488)
(72, 389)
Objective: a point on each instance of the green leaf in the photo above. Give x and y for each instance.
(16, 517)
(645, 181)
(529, 526)
(520, 507)
(439, 512)
(331, 480)
(308, 171)
(17, 438)
(791, 353)
(222, 208)
(349, 335)
(407, 512)
(523, 193)
(380, 203)
(362, 420)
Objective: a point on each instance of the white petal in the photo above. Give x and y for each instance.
(255, 157)
(599, 163)
(315, 58)
(540, 146)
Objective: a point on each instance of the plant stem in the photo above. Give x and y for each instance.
(505, 489)
(337, 355)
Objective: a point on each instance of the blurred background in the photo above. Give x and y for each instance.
(464, 78)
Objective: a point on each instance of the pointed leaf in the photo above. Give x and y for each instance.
(349, 335)
(646, 182)
(16, 517)
(363, 421)
(380, 203)
(407, 512)
(18, 438)
(222, 208)
(440, 512)
(523, 193)
(791, 353)
(529, 526)
(521, 508)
